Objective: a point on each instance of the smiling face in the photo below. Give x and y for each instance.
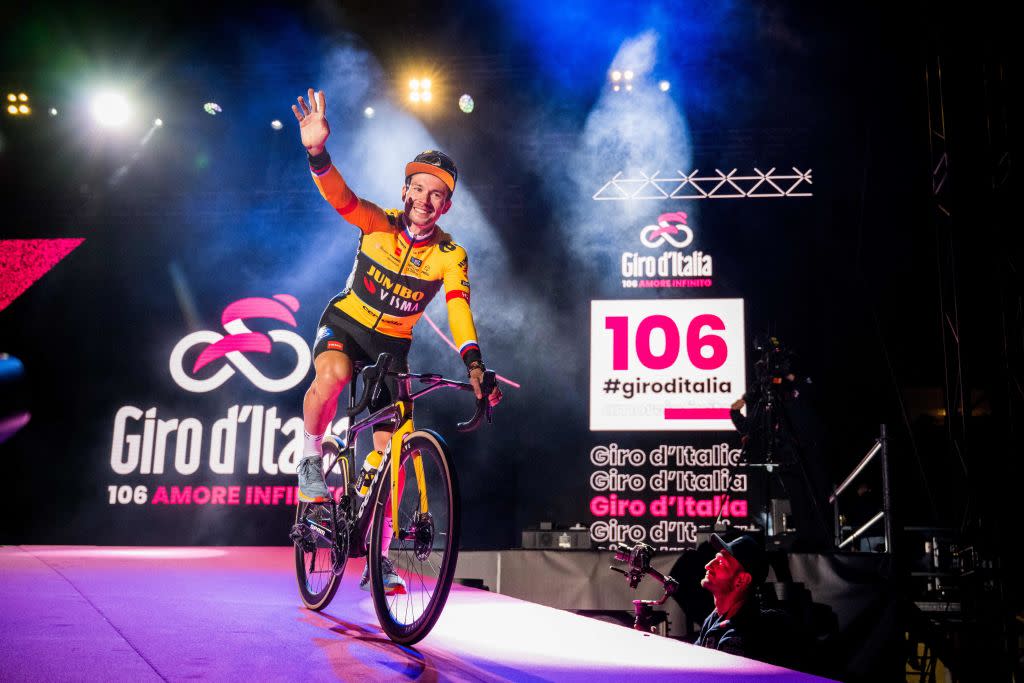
(426, 198)
(724, 574)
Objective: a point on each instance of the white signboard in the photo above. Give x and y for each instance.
(665, 364)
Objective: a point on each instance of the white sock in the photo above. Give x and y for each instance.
(314, 445)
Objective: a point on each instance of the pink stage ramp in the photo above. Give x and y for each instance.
(141, 614)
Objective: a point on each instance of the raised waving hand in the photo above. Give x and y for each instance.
(313, 126)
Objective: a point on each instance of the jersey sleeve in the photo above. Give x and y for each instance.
(460, 317)
(361, 213)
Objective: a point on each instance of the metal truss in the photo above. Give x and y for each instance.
(718, 186)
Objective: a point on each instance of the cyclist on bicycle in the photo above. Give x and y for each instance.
(403, 259)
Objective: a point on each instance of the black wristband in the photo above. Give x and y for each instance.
(320, 161)
(473, 365)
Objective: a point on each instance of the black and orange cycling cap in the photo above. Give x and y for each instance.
(437, 164)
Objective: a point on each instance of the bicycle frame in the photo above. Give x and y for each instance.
(401, 412)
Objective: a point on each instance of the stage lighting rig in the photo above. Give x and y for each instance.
(420, 91)
(18, 104)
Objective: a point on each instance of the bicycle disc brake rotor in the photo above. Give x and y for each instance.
(423, 535)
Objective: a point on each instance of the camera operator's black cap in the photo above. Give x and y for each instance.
(748, 553)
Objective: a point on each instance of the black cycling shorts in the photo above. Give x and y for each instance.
(338, 332)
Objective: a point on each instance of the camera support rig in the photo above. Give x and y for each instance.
(638, 558)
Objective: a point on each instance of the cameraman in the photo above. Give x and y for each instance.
(733, 577)
(738, 625)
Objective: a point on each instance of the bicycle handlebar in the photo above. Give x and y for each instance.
(373, 377)
(483, 405)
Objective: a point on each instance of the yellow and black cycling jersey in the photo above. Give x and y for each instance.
(396, 275)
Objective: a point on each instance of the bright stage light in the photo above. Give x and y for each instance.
(466, 104)
(369, 112)
(110, 109)
(158, 122)
(419, 90)
(212, 108)
(11, 97)
(23, 109)
(664, 86)
(23, 97)
(615, 87)
(12, 109)
(53, 111)
(629, 87)
(616, 76)
(276, 125)
(627, 74)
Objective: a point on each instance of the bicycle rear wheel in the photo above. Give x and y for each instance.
(425, 559)
(319, 560)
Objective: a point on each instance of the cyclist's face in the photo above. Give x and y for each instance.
(426, 199)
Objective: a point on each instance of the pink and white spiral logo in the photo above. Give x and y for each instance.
(240, 340)
(671, 228)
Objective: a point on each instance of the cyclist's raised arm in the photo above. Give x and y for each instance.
(314, 131)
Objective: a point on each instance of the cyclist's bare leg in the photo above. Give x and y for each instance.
(333, 372)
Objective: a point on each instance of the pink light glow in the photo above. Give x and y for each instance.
(22, 262)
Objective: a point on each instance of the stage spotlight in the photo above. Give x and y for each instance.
(419, 90)
(11, 97)
(23, 109)
(615, 87)
(466, 104)
(276, 125)
(369, 112)
(158, 122)
(616, 76)
(664, 86)
(53, 111)
(212, 108)
(12, 109)
(629, 87)
(110, 109)
(23, 97)
(627, 74)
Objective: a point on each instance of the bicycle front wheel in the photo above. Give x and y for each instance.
(320, 535)
(425, 545)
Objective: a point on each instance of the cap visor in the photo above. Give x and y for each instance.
(414, 167)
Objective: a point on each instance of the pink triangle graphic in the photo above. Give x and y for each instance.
(22, 262)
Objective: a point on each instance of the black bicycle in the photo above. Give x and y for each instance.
(424, 514)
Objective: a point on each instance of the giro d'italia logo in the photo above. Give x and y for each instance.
(230, 349)
(671, 229)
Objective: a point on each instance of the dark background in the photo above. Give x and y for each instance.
(902, 313)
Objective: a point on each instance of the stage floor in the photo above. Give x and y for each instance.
(141, 614)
